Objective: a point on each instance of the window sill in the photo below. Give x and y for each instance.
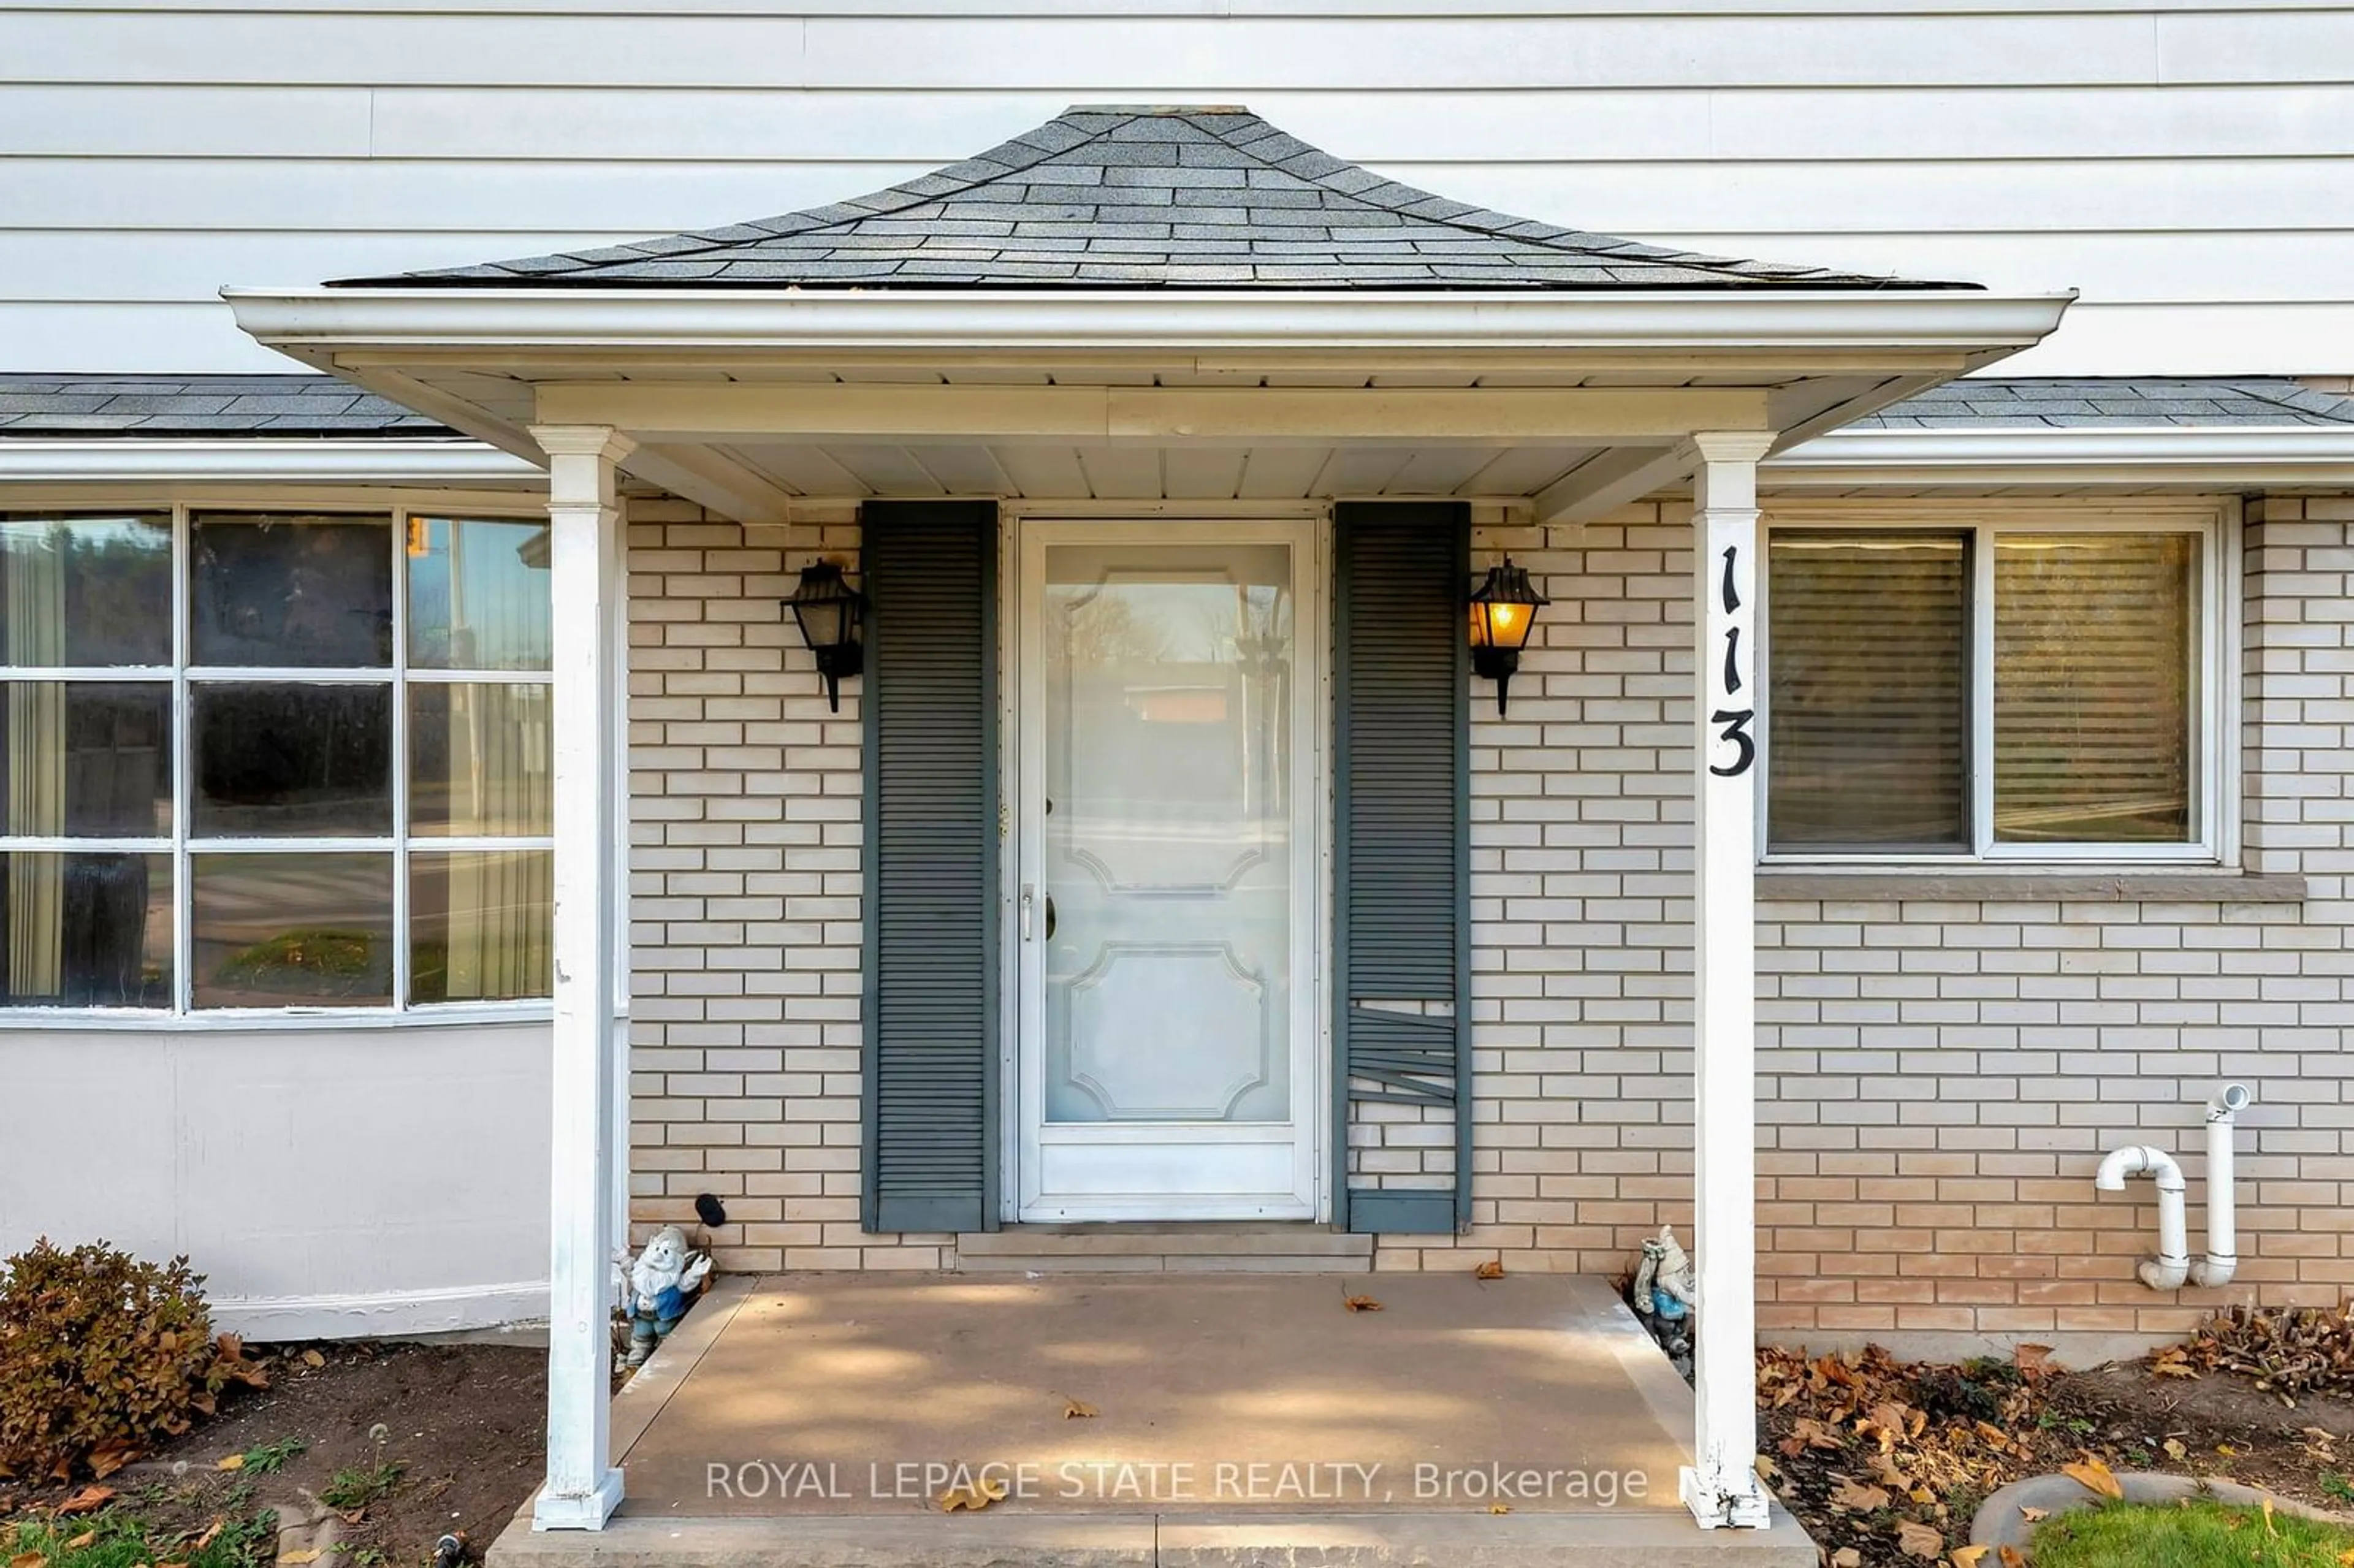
(254, 1021)
(2039, 885)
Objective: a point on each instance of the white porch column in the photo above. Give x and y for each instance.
(1722, 1489)
(585, 556)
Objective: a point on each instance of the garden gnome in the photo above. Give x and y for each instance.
(663, 1282)
(1673, 1288)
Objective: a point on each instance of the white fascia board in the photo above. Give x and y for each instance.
(231, 460)
(305, 320)
(2154, 455)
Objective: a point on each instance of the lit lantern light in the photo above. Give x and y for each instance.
(1503, 612)
(830, 611)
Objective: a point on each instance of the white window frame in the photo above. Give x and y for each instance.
(2214, 521)
(183, 845)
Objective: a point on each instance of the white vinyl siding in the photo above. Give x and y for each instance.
(2189, 168)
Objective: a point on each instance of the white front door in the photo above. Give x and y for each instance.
(1167, 858)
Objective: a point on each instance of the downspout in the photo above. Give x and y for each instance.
(2172, 1266)
(2222, 1230)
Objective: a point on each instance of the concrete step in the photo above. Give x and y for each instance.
(1165, 1247)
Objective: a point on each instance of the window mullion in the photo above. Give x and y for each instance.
(1981, 656)
(400, 939)
(184, 891)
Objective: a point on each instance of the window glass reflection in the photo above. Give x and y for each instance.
(298, 591)
(85, 591)
(279, 760)
(480, 924)
(283, 931)
(85, 930)
(477, 594)
(86, 759)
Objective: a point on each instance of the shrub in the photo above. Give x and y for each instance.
(101, 1355)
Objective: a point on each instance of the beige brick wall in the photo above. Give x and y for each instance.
(1938, 1079)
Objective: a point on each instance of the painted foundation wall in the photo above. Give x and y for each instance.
(2189, 164)
(329, 1182)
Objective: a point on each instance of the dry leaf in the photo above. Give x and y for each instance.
(296, 1558)
(1847, 1557)
(1360, 1304)
(1917, 1540)
(1849, 1494)
(2346, 1558)
(2033, 1515)
(1499, 1508)
(1968, 1556)
(2268, 1516)
(2174, 1448)
(28, 1560)
(1078, 1409)
(2226, 1450)
(1810, 1433)
(110, 1457)
(1492, 1269)
(972, 1498)
(234, 1462)
(1767, 1470)
(2094, 1476)
(79, 1542)
(314, 1361)
(2011, 1557)
(89, 1499)
(212, 1533)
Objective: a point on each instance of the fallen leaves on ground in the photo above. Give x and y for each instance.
(111, 1455)
(971, 1497)
(2093, 1475)
(1078, 1410)
(314, 1361)
(1968, 1556)
(89, 1500)
(27, 1560)
(1499, 1508)
(1917, 1540)
(1360, 1304)
(2287, 1350)
(1492, 1269)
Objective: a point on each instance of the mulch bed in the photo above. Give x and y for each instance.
(465, 1422)
(1886, 1462)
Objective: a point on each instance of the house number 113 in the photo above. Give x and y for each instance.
(1735, 721)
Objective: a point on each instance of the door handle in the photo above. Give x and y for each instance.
(1029, 898)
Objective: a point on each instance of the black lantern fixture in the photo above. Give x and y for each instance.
(1503, 609)
(830, 612)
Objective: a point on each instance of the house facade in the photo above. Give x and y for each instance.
(1166, 503)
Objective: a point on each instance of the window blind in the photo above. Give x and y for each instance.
(1868, 676)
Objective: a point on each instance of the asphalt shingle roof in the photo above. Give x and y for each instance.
(2141, 401)
(189, 407)
(1144, 198)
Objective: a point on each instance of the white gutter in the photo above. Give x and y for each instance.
(2076, 454)
(1889, 322)
(234, 459)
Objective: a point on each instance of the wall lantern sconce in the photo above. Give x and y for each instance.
(1504, 608)
(830, 612)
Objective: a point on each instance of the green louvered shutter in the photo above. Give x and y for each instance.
(1402, 857)
(930, 1004)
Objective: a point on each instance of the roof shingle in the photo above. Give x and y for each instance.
(1127, 197)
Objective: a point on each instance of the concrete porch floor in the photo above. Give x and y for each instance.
(1247, 1418)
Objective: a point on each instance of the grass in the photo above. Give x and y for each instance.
(121, 1539)
(2191, 1534)
(358, 1486)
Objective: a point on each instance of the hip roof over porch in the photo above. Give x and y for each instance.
(1146, 303)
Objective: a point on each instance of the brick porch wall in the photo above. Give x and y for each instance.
(1924, 1176)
